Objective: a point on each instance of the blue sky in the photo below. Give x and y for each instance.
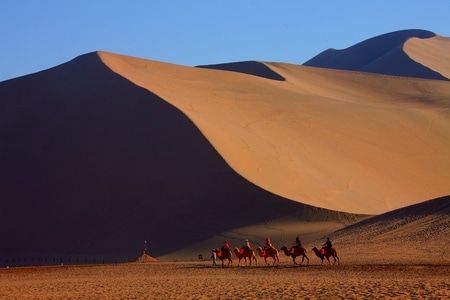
(37, 35)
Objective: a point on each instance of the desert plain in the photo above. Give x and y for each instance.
(200, 280)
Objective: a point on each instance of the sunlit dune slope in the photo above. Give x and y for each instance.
(383, 54)
(433, 53)
(420, 231)
(341, 140)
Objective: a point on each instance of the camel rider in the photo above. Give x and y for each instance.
(246, 245)
(326, 246)
(297, 245)
(268, 244)
(225, 246)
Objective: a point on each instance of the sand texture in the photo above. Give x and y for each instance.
(202, 281)
(432, 52)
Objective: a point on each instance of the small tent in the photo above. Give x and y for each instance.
(145, 258)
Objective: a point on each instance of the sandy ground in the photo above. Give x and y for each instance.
(200, 280)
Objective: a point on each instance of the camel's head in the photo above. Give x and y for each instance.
(284, 248)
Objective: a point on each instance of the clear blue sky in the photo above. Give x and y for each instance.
(37, 35)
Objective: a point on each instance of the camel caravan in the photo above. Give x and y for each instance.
(271, 254)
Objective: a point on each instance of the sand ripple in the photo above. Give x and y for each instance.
(202, 281)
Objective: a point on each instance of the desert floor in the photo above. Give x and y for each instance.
(201, 280)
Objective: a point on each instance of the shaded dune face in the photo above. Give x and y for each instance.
(247, 67)
(93, 165)
(383, 54)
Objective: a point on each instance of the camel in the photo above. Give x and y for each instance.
(223, 255)
(328, 252)
(294, 252)
(246, 253)
(269, 252)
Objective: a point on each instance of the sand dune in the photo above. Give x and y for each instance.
(383, 54)
(382, 137)
(414, 234)
(432, 53)
(106, 151)
(93, 165)
(247, 67)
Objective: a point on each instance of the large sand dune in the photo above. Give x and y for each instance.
(348, 141)
(432, 53)
(93, 165)
(106, 151)
(415, 234)
(384, 54)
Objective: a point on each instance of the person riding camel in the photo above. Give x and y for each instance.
(246, 246)
(268, 244)
(297, 245)
(326, 246)
(225, 246)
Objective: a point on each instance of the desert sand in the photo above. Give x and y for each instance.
(200, 280)
(432, 52)
(417, 234)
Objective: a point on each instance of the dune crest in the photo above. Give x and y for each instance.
(341, 140)
(383, 54)
(433, 53)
